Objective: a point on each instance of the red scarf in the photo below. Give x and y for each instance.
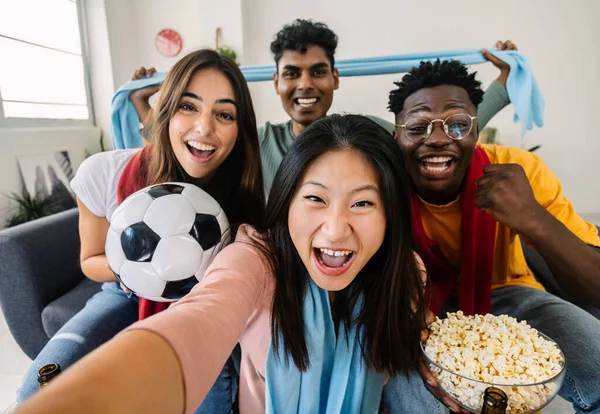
(478, 235)
(134, 178)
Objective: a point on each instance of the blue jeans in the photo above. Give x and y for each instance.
(104, 315)
(576, 332)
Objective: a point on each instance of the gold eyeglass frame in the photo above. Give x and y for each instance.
(444, 127)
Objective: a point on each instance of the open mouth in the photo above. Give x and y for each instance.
(200, 151)
(437, 166)
(333, 262)
(306, 102)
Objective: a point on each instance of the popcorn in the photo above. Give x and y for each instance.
(493, 349)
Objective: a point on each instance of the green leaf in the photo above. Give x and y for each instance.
(28, 208)
(230, 53)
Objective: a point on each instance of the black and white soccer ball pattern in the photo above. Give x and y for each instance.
(162, 238)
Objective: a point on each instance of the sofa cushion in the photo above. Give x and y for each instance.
(59, 311)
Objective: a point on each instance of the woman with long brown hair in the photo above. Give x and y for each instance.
(203, 133)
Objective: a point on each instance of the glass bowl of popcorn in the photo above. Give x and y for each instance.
(468, 354)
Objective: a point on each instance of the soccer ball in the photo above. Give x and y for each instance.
(162, 238)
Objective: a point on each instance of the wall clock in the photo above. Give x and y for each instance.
(168, 42)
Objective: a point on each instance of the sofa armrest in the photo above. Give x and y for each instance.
(39, 262)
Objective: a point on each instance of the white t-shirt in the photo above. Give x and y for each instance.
(97, 179)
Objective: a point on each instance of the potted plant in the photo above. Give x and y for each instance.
(28, 208)
(224, 50)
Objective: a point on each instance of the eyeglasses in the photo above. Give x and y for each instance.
(455, 126)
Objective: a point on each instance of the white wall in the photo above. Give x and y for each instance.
(134, 24)
(122, 37)
(559, 38)
(100, 65)
(15, 142)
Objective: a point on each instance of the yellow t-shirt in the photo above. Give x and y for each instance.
(442, 223)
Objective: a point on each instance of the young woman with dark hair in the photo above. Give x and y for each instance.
(326, 299)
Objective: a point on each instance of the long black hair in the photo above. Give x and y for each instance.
(393, 314)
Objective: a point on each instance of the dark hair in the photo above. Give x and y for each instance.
(238, 182)
(301, 34)
(393, 314)
(430, 75)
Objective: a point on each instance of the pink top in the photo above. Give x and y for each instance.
(232, 304)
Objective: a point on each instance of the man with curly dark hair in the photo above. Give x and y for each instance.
(306, 78)
(301, 41)
(472, 204)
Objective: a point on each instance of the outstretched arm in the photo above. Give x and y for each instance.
(137, 371)
(168, 362)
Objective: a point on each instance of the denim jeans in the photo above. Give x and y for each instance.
(576, 332)
(106, 314)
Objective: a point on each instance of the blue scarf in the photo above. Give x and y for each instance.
(337, 380)
(124, 121)
(522, 88)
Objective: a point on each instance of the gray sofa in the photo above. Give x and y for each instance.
(41, 284)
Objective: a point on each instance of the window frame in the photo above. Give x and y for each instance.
(18, 123)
